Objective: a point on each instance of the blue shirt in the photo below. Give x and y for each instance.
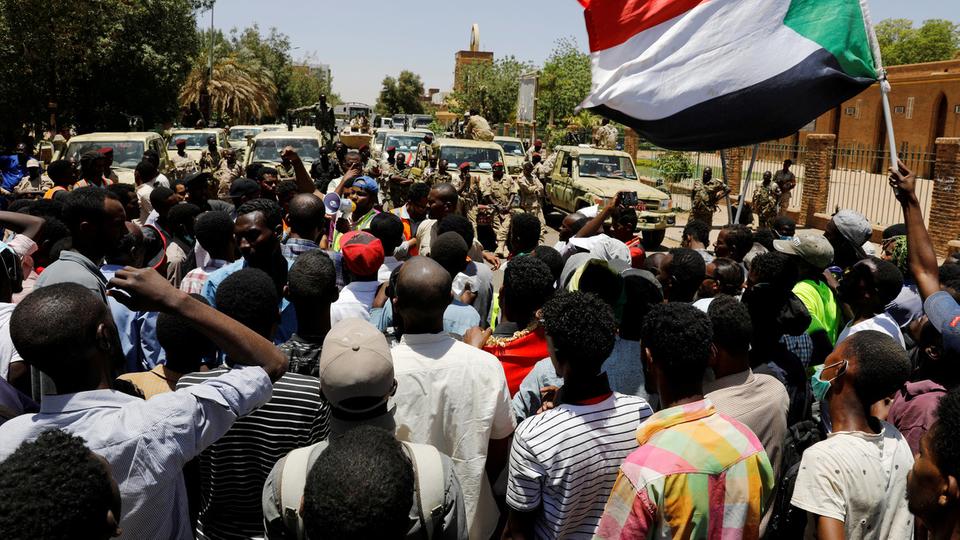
(147, 443)
(138, 332)
(457, 318)
(288, 317)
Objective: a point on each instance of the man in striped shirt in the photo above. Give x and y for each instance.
(698, 473)
(564, 461)
(233, 469)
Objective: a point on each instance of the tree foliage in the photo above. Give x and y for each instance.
(901, 43)
(98, 61)
(491, 88)
(564, 82)
(305, 86)
(241, 91)
(401, 95)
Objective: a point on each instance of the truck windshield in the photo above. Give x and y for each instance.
(511, 148)
(239, 134)
(195, 141)
(607, 167)
(269, 149)
(126, 154)
(478, 158)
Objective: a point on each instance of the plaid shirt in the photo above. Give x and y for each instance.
(294, 247)
(304, 356)
(697, 474)
(193, 282)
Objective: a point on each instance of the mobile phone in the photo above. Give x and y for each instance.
(628, 199)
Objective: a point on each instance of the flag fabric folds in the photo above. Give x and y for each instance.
(709, 74)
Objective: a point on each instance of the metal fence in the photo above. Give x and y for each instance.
(858, 181)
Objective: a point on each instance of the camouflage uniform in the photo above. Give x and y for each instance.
(286, 171)
(531, 151)
(469, 195)
(765, 204)
(225, 175)
(531, 190)
(477, 129)
(504, 193)
(424, 155)
(209, 162)
(183, 165)
(435, 177)
(786, 181)
(397, 192)
(606, 137)
(704, 199)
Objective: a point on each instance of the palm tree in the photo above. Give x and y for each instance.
(242, 90)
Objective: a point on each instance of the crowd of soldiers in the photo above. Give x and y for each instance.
(770, 200)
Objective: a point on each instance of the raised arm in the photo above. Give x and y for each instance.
(301, 176)
(146, 290)
(595, 225)
(920, 255)
(25, 224)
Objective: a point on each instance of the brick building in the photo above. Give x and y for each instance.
(469, 57)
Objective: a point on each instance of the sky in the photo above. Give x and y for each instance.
(364, 41)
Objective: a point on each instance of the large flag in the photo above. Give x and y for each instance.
(709, 74)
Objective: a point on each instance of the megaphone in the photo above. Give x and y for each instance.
(331, 202)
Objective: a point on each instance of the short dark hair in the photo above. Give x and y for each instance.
(882, 365)
(459, 225)
(85, 204)
(553, 259)
(678, 336)
(729, 275)
(897, 229)
(253, 170)
(183, 214)
(123, 193)
(388, 228)
(765, 238)
(55, 326)
(418, 191)
(250, 297)
(525, 230)
(944, 439)
(687, 270)
(147, 170)
(272, 214)
(698, 230)
(185, 346)
(527, 284)
(312, 279)
(214, 230)
(306, 213)
(60, 168)
(286, 187)
(450, 251)
(776, 269)
(784, 221)
(732, 329)
(581, 327)
(159, 196)
(887, 279)
(580, 223)
(265, 170)
(740, 240)
(342, 499)
(55, 488)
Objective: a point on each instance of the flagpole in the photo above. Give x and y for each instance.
(723, 173)
(887, 118)
(746, 184)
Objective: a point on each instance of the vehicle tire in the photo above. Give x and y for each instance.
(653, 238)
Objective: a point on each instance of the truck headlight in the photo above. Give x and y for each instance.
(666, 204)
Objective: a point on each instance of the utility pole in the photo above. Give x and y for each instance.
(210, 70)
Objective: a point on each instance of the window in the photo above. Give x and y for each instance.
(899, 109)
(909, 113)
(565, 165)
(850, 111)
(956, 109)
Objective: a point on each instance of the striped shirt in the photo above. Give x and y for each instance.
(233, 469)
(697, 474)
(564, 462)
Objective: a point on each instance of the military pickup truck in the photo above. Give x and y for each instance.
(513, 151)
(266, 146)
(197, 141)
(128, 149)
(584, 176)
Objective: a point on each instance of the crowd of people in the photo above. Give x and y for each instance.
(226, 356)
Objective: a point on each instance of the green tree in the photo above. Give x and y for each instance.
(272, 51)
(901, 43)
(240, 91)
(401, 95)
(564, 82)
(99, 62)
(305, 86)
(492, 88)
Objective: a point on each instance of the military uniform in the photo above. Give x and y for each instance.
(606, 137)
(531, 151)
(26, 185)
(436, 176)
(224, 176)
(531, 190)
(183, 165)
(477, 129)
(765, 204)
(469, 195)
(397, 192)
(209, 161)
(704, 199)
(505, 194)
(786, 181)
(424, 155)
(286, 171)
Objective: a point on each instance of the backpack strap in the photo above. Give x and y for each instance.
(430, 485)
(292, 480)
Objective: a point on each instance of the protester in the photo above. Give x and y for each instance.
(869, 286)
(722, 276)
(812, 254)
(311, 288)
(362, 258)
(214, 233)
(652, 496)
(681, 273)
(696, 236)
(734, 242)
(933, 495)
(847, 231)
(388, 228)
(306, 217)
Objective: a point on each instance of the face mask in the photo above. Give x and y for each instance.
(821, 387)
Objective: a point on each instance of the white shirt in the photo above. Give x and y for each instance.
(143, 196)
(455, 397)
(147, 443)
(354, 302)
(860, 479)
(881, 323)
(162, 180)
(8, 353)
(390, 263)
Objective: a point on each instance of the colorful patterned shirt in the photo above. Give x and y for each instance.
(697, 474)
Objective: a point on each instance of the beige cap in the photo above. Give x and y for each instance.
(355, 363)
(811, 247)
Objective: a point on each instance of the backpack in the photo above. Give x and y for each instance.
(428, 481)
(787, 521)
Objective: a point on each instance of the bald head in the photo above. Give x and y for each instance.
(423, 291)
(306, 213)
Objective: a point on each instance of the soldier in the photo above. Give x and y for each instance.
(337, 157)
(182, 163)
(540, 170)
(765, 201)
(397, 176)
(367, 163)
(437, 174)
(210, 158)
(786, 181)
(228, 171)
(705, 195)
(502, 193)
(477, 127)
(424, 152)
(108, 171)
(536, 149)
(531, 191)
(33, 182)
(468, 189)
(606, 136)
(390, 154)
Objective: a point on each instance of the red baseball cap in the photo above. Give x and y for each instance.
(538, 142)
(464, 166)
(498, 164)
(362, 253)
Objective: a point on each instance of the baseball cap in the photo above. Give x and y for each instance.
(178, 142)
(106, 150)
(391, 149)
(538, 142)
(943, 312)
(367, 184)
(464, 166)
(853, 226)
(31, 163)
(193, 179)
(612, 251)
(498, 164)
(244, 187)
(811, 247)
(355, 362)
(364, 147)
(362, 253)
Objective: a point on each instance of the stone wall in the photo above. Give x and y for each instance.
(944, 224)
